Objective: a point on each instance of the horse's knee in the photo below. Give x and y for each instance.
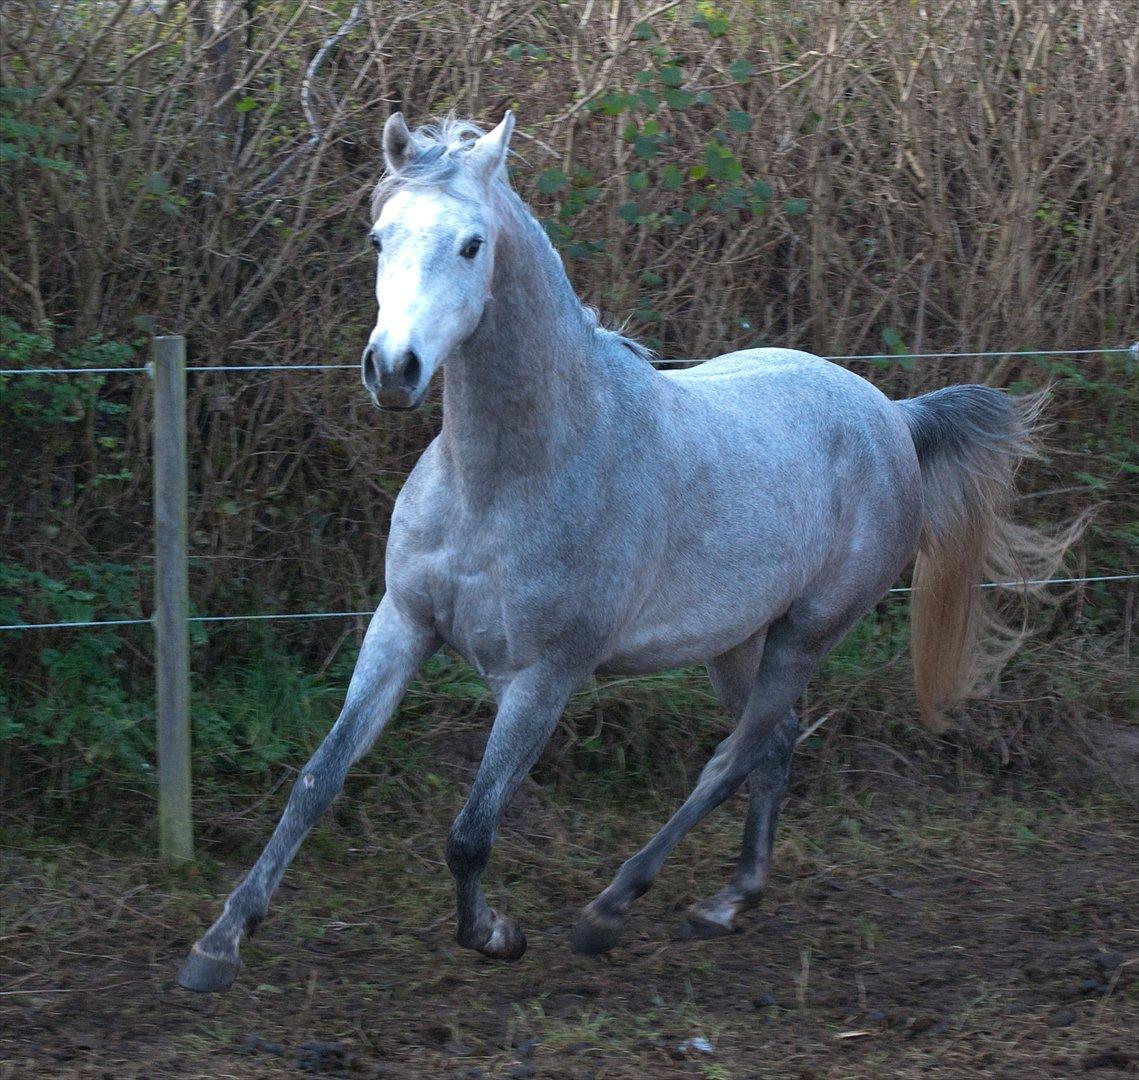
(316, 788)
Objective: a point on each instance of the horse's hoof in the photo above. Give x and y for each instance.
(593, 935)
(506, 941)
(700, 926)
(712, 918)
(204, 974)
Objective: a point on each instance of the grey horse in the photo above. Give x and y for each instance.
(582, 511)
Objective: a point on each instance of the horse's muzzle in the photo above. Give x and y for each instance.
(395, 387)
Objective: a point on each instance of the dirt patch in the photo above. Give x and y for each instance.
(974, 936)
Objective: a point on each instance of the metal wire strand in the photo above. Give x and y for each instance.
(367, 614)
(1114, 350)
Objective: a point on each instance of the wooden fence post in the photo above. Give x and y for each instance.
(171, 600)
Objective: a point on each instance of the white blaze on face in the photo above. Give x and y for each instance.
(430, 297)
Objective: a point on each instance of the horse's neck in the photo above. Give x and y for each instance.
(519, 398)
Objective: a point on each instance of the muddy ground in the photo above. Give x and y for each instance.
(908, 931)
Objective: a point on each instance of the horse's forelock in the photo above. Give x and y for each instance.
(439, 150)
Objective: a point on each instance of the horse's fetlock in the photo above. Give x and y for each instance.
(246, 908)
(474, 933)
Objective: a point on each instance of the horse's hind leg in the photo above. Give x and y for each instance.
(733, 675)
(391, 654)
(767, 788)
(795, 645)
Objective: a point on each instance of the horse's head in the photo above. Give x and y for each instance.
(435, 234)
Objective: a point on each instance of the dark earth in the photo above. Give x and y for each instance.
(909, 930)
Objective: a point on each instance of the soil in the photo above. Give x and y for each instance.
(926, 935)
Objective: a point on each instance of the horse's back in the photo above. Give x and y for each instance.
(799, 383)
(785, 407)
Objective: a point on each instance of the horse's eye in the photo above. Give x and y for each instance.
(471, 247)
(374, 240)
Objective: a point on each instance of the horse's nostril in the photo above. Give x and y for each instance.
(412, 370)
(370, 370)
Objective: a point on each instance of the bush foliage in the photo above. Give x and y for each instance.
(845, 177)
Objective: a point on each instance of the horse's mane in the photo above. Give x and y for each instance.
(634, 346)
(440, 147)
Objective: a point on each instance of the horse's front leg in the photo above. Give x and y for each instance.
(528, 711)
(393, 650)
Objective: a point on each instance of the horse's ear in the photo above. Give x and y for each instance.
(398, 146)
(488, 154)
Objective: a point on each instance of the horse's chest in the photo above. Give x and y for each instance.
(504, 589)
(461, 593)
(474, 618)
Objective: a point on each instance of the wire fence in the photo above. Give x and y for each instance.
(1116, 350)
(300, 615)
(171, 619)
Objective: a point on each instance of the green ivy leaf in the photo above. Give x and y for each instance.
(722, 163)
(716, 25)
(613, 104)
(551, 181)
(646, 146)
(671, 178)
(671, 75)
(585, 249)
(732, 199)
(638, 181)
(557, 232)
(795, 207)
(741, 70)
(649, 101)
(679, 99)
(892, 339)
(739, 121)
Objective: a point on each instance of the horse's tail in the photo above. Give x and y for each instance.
(970, 440)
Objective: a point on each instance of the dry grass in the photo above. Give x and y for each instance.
(963, 933)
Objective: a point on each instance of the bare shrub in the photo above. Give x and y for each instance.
(847, 177)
